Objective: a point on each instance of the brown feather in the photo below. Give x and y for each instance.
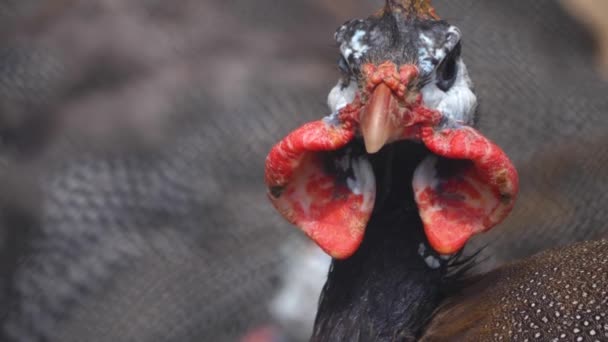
(559, 293)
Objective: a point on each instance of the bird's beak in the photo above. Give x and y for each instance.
(375, 121)
(390, 106)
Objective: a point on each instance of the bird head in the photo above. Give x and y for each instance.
(403, 79)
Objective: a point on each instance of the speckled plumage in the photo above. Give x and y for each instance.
(557, 295)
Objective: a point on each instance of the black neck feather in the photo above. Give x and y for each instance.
(385, 291)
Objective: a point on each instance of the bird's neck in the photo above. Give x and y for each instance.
(389, 288)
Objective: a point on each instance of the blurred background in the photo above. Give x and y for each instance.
(133, 136)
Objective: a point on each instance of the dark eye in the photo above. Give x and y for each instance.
(448, 70)
(446, 73)
(343, 65)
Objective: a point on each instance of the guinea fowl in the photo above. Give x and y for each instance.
(394, 183)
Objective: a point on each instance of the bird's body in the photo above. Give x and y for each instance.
(396, 180)
(557, 295)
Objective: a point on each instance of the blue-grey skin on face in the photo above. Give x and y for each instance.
(433, 46)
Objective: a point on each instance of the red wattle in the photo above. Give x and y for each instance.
(329, 212)
(474, 200)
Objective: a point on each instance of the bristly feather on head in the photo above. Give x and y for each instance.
(421, 9)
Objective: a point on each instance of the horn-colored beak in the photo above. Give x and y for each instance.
(376, 121)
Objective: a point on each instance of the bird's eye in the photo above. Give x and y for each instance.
(448, 70)
(343, 65)
(446, 73)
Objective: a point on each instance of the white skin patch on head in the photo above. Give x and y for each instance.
(341, 96)
(354, 47)
(429, 53)
(425, 55)
(459, 103)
